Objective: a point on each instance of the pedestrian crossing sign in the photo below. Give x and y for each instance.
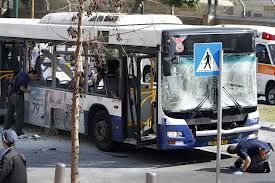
(207, 58)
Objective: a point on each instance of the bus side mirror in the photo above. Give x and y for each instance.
(166, 67)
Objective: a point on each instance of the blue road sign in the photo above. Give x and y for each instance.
(207, 58)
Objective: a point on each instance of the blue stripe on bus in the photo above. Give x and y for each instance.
(86, 120)
(252, 121)
(186, 141)
(117, 129)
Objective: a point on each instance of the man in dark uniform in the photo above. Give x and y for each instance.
(12, 163)
(253, 154)
(16, 100)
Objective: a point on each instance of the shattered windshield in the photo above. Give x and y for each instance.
(184, 91)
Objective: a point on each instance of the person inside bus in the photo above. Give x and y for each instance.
(254, 155)
(101, 71)
(111, 79)
(263, 57)
(110, 75)
(12, 53)
(81, 82)
(16, 101)
(12, 163)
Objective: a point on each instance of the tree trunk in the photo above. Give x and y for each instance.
(173, 9)
(136, 6)
(75, 104)
(209, 6)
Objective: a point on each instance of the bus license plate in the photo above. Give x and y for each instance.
(214, 142)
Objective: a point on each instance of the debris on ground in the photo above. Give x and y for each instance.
(35, 137)
(46, 149)
(32, 137)
(24, 136)
(118, 155)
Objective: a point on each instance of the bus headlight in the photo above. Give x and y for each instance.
(174, 134)
(252, 136)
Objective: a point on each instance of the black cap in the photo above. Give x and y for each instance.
(9, 136)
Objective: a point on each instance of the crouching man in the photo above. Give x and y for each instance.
(254, 155)
(12, 163)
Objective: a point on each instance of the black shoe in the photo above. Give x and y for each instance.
(232, 167)
(267, 167)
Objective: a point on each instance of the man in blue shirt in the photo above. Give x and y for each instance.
(16, 100)
(253, 154)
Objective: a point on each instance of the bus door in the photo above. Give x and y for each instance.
(141, 97)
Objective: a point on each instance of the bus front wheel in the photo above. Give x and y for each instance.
(103, 131)
(270, 95)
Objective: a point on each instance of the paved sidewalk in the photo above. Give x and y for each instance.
(267, 125)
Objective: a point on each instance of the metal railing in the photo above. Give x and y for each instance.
(244, 9)
(6, 74)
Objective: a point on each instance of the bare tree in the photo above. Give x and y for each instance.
(136, 6)
(0, 8)
(96, 49)
(76, 95)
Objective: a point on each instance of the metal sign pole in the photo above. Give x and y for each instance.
(206, 54)
(219, 122)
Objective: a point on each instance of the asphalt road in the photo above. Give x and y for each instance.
(130, 165)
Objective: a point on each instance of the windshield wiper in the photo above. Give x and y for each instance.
(233, 100)
(194, 111)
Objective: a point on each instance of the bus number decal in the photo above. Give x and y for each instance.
(37, 104)
(36, 107)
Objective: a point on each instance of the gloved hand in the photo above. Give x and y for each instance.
(238, 172)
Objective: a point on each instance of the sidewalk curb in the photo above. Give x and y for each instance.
(268, 128)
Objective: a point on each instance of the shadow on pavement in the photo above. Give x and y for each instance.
(224, 170)
(128, 158)
(49, 150)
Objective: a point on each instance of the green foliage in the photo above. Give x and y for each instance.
(26, 2)
(189, 3)
(267, 112)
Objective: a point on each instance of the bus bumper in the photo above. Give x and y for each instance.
(228, 136)
(180, 136)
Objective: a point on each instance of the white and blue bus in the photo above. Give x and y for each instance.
(173, 110)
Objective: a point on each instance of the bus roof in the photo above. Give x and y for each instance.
(111, 19)
(258, 28)
(264, 33)
(134, 30)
